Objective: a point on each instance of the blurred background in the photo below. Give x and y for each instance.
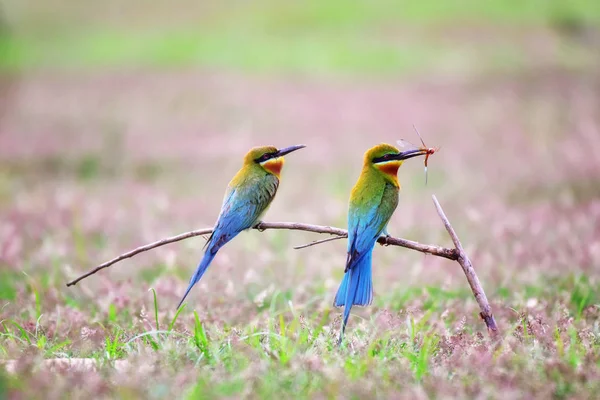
(122, 123)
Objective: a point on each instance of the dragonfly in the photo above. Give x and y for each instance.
(406, 145)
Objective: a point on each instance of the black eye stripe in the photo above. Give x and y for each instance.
(264, 157)
(382, 158)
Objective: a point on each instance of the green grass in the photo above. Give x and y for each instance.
(310, 53)
(286, 354)
(314, 38)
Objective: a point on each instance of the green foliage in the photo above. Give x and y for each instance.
(200, 339)
(310, 37)
(434, 298)
(149, 275)
(8, 281)
(115, 345)
(584, 293)
(419, 356)
(273, 354)
(15, 332)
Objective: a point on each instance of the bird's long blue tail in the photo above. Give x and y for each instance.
(356, 288)
(206, 260)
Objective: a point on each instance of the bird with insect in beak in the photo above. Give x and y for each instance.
(372, 203)
(247, 198)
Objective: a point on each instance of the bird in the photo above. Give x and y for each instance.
(247, 198)
(373, 200)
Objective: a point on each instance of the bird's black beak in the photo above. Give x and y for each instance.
(405, 155)
(288, 150)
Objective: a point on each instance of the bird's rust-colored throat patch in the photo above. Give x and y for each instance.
(389, 168)
(274, 165)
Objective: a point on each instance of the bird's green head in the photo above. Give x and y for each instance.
(386, 159)
(269, 158)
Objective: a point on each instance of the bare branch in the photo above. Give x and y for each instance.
(330, 239)
(458, 254)
(141, 249)
(341, 233)
(450, 254)
(465, 263)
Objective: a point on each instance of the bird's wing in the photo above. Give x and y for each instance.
(241, 209)
(365, 225)
(229, 193)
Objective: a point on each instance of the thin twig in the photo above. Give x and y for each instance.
(303, 246)
(141, 249)
(465, 263)
(450, 254)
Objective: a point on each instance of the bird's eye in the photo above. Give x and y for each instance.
(386, 157)
(264, 157)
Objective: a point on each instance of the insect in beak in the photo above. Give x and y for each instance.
(423, 148)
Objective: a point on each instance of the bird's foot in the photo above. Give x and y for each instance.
(258, 227)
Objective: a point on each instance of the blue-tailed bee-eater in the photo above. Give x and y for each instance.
(372, 203)
(247, 198)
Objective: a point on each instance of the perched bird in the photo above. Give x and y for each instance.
(247, 197)
(372, 203)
